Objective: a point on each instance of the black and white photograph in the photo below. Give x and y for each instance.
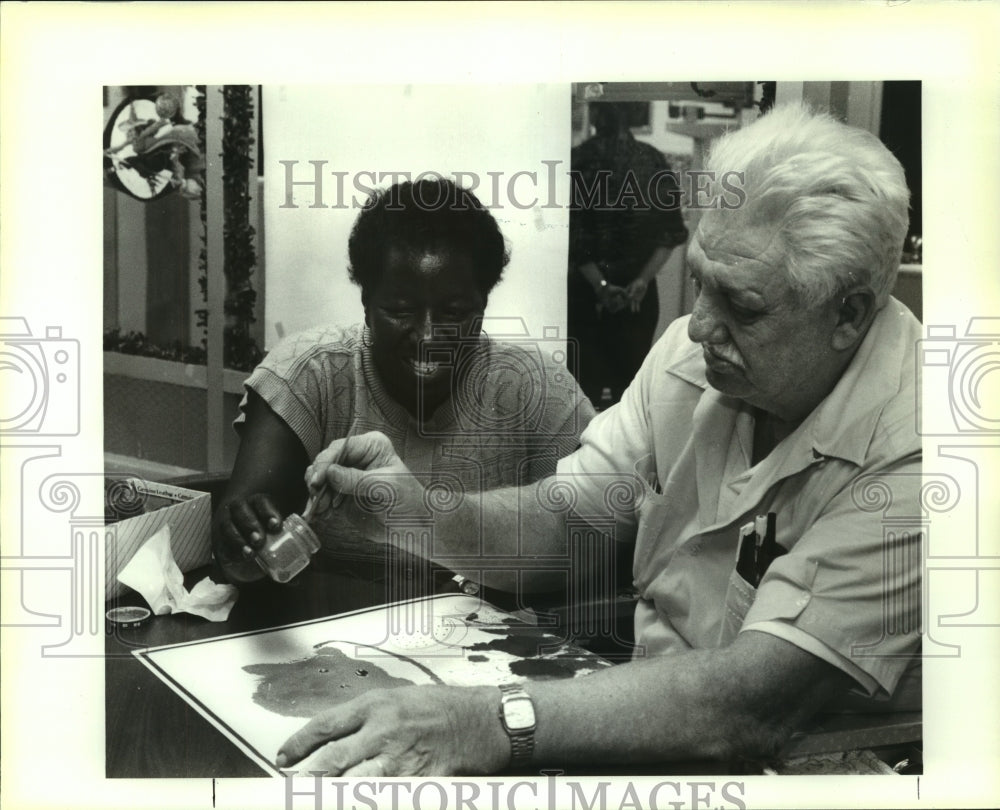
(436, 423)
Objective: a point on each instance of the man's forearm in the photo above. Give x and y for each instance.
(739, 701)
(498, 531)
(481, 535)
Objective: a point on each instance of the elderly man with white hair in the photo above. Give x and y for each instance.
(768, 585)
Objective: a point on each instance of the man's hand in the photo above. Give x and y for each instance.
(367, 468)
(408, 731)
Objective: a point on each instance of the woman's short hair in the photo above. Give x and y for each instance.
(838, 195)
(428, 215)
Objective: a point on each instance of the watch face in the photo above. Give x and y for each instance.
(518, 713)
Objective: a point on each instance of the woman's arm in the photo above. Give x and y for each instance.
(609, 296)
(636, 289)
(266, 484)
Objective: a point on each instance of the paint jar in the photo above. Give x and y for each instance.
(288, 550)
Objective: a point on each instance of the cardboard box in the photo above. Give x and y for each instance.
(135, 510)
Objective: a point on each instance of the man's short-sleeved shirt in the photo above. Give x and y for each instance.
(844, 488)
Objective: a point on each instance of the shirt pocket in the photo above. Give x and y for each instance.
(651, 554)
(740, 595)
(787, 590)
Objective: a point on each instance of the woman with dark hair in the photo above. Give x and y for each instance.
(464, 411)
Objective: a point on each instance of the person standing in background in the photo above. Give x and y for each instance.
(625, 221)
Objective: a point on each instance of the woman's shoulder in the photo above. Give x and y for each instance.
(330, 344)
(543, 363)
(327, 338)
(516, 355)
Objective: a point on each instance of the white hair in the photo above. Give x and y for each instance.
(837, 195)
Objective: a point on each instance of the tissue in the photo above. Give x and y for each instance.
(153, 572)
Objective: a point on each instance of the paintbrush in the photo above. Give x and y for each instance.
(309, 512)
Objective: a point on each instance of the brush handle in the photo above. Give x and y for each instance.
(314, 499)
(307, 513)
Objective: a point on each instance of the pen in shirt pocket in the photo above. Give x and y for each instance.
(758, 548)
(746, 554)
(768, 549)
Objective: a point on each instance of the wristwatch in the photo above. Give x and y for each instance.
(465, 585)
(517, 713)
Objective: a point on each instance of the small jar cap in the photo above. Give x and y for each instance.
(297, 524)
(128, 617)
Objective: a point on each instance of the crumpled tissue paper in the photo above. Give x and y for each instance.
(154, 574)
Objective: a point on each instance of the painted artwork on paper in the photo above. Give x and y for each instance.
(265, 684)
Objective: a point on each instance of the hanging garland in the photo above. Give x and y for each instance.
(241, 350)
(201, 103)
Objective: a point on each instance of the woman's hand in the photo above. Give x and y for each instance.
(266, 483)
(612, 298)
(240, 531)
(408, 731)
(635, 292)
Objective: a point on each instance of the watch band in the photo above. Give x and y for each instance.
(521, 734)
(465, 585)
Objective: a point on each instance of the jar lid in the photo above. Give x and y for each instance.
(128, 617)
(297, 524)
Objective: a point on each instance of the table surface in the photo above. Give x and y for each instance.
(150, 731)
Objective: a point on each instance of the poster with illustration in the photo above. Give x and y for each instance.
(266, 684)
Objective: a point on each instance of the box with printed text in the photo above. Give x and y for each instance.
(134, 510)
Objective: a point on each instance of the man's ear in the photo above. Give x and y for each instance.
(854, 315)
